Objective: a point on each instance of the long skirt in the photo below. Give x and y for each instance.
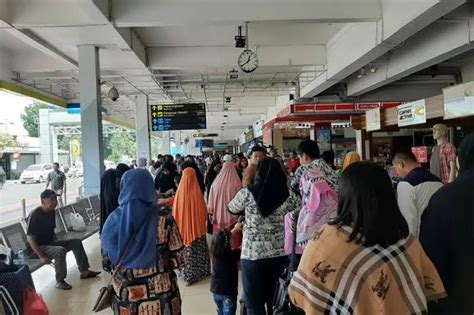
(198, 265)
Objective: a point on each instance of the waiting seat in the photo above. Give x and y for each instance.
(95, 204)
(65, 214)
(15, 238)
(83, 207)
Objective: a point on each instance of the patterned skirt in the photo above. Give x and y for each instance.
(198, 265)
(139, 296)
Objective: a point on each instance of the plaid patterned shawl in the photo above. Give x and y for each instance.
(340, 277)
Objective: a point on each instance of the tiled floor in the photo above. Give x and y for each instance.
(197, 299)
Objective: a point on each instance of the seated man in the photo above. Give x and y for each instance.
(42, 242)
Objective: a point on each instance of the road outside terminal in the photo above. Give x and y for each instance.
(13, 192)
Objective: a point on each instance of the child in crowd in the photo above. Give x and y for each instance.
(225, 274)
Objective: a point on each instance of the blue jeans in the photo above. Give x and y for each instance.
(226, 305)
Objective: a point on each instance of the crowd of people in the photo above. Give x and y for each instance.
(362, 245)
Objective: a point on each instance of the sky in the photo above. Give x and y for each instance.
(11, 108)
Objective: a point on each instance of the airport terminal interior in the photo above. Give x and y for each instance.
(236, 157)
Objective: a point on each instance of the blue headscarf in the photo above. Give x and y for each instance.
(136, 200)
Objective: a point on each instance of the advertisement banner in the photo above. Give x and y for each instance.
(412, 113)
(421, 154)
(459, 101)
(323, 138)
(372, 119)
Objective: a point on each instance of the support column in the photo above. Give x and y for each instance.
(177, 139)
(91, 118)
(165, 136)
(142, 127)
(54, 138)
(45, 137)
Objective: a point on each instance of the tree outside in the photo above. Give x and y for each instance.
(6, 140)
(156, 146)
(122, 144)
(31, 118)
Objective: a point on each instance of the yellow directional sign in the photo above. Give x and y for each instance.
(76, 149)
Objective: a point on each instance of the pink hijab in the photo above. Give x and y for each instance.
(224, 188)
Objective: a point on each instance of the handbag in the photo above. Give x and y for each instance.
(281, 301)
(33, 303)
(107, 293)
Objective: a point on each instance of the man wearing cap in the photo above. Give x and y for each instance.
(42, 241)
(443, 157)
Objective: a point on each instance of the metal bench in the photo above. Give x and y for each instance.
(14, 237)
(65, 213)
(94, 213)
(83, 207)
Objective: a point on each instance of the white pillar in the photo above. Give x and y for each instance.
(54, 138)
(45, 137)
(91, 118)
(165, 136)
(142, 127)
(177, 140)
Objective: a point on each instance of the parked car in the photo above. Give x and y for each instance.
(37, 173)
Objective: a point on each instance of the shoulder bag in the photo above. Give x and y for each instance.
(106, 293)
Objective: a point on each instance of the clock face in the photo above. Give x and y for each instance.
(248, 61)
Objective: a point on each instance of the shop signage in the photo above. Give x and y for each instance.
(421, 154)
(367, 106)
(372, 119)
(317, 108)
(412, 113)
(249, 135)
(166, 117)
(459, 100)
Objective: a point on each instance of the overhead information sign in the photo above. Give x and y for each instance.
(166, 117)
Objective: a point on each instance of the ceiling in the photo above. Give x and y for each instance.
(184, 50)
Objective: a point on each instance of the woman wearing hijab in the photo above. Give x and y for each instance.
(164, 180)
(212, 172)
(190, 212)
(199, 176)
(109, 194)
(149, 240)
(350, 158)
(223, 190)
(121, 169)
(365, 261)
(263, 259)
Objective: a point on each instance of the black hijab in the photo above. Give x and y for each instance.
(121, 169)
(165, 182)
(109, 193)
(211, 173)
(466, 154)
(270, 188)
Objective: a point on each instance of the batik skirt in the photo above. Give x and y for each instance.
(198, 265)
